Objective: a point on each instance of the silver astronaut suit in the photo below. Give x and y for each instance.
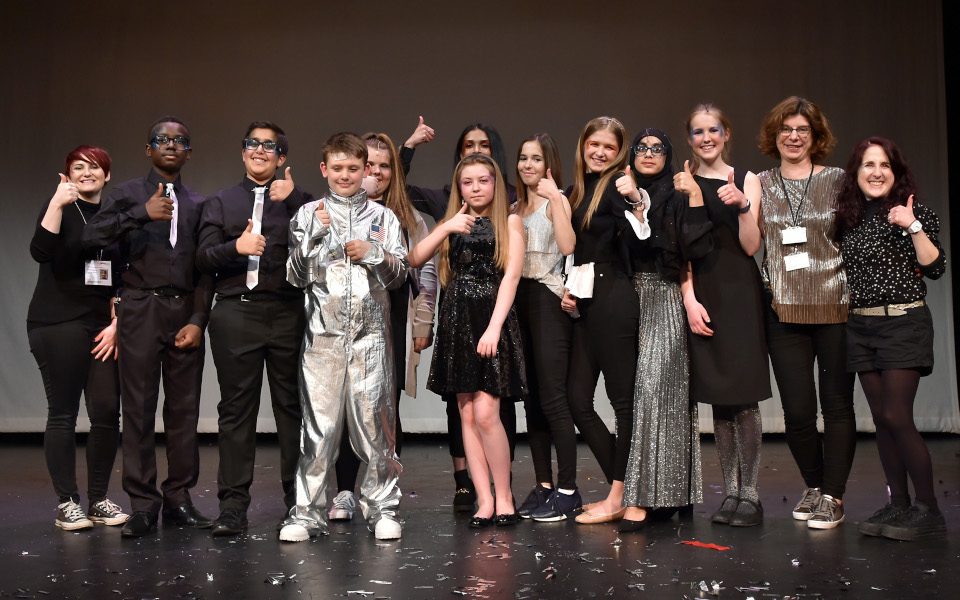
(346, 365)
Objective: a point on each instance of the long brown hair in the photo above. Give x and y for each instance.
(499, 213)
(395, 196)
(617, 164)
(551, 162)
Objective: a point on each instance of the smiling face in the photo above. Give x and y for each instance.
(599, 150)
(875, 176)
(168, 158)
(260, 164)
(475, 142)
(707, 136)
(530, 164)
(477, 187)
(648, 163)
(344, 173)
(794, 147)
(378, 164)
(88, 176)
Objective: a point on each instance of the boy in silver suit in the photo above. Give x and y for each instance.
(346, 251)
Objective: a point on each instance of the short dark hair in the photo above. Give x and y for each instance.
(155, 127)
(90, 154)
(823, 139)
(283, 147)
(346, 142)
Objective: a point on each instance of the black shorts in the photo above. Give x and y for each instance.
(881, 343)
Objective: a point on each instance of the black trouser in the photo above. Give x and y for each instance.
(245, 336)
(147, 327)
(793, 347)
(605, 341)
(62, 352)
(547, 333)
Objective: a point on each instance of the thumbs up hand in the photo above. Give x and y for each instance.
(421, 135)
(627, 186)
(281, 188)
(159, 207)
(547, 187)
(322, 215)
(250, 243)
(902, 216)
(684, 183)
(730, 195)
(462, 222)
(66, 192)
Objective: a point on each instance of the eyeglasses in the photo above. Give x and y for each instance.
(253, 143)
(181, 141)
(802, 132)
(656, 149)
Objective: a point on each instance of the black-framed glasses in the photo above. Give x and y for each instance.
(656, 149)
(253, 143)
(803, 131)
(181, 141)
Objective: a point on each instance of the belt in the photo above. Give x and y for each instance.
(257, 296)
(166, 291)
(887, 310)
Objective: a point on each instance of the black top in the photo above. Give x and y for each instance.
(605, 240)
(224, 219)
(677, 235)
(150, 261)
(881, 261)
(61, 294)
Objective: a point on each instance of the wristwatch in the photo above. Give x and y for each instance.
(915, 227)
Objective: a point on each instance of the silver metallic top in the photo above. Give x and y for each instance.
(817, 293)
(543, 260)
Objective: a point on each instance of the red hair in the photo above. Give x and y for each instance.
(90, 154)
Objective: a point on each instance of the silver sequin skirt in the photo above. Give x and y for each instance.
(664, 465)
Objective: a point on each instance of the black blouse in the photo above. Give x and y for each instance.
(881, 261)
(603, 241)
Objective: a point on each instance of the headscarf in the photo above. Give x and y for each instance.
(663, 214)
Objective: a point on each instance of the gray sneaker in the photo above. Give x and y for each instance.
(829, 513)
(343, 506)
(807, 505)
(70, 517)
(107, 512)
(888, 514)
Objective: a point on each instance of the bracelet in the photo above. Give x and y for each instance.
(746, 208)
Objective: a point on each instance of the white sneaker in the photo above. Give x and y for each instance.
(387, 529)
(343, 506)
(807, 505)
(294, 532)
(107, 512)
(70, 517)
(828, 515)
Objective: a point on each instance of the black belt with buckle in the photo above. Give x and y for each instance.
(257, 297)
(166, 291)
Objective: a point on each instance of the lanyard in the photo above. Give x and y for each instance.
(795, 215)
(100, 251)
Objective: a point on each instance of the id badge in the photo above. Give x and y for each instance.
(97, 272)
(800, 260)
(794, 235)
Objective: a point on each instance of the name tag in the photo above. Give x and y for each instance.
(97, 272)
(800, 260)
(794, 235)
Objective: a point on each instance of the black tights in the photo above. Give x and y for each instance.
(891, 394)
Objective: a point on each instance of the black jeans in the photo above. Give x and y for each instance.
(62, 352)
(793, 348)
(547, 333)
(605, 341)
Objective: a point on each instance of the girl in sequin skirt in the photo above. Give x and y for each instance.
(478, 354)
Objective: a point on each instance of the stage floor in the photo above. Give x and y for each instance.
(439, 557)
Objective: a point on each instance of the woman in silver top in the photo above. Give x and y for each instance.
(806, 304)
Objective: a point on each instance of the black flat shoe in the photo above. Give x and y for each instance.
(480, 522)
(506, 520)
(185, 515)
(629, 526)
(685, 512)
(140, 524)
(748, 514)
(229, 523)
(726, 510)
(464, 499)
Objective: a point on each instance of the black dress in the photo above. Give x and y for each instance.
(730, 368)
(465, 312)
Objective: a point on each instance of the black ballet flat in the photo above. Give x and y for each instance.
(480, 522)
(685, 512)
(506, 520)
(726, 510)
(629, 526)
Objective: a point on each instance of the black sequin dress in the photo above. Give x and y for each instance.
(465, 312)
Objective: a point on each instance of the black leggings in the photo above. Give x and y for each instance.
(62, 352)
(605, 341)
(891, 394)
(793, 349)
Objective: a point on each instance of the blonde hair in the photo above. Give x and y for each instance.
(713, 110)
(500, 212)
(620, 160)
(395, 198)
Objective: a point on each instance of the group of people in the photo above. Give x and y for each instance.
(641, 270)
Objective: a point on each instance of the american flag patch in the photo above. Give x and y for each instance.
(377, 233)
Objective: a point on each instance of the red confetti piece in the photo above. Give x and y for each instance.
(706, 545)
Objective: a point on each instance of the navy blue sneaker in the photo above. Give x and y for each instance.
(559, 507)
(535, 499)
